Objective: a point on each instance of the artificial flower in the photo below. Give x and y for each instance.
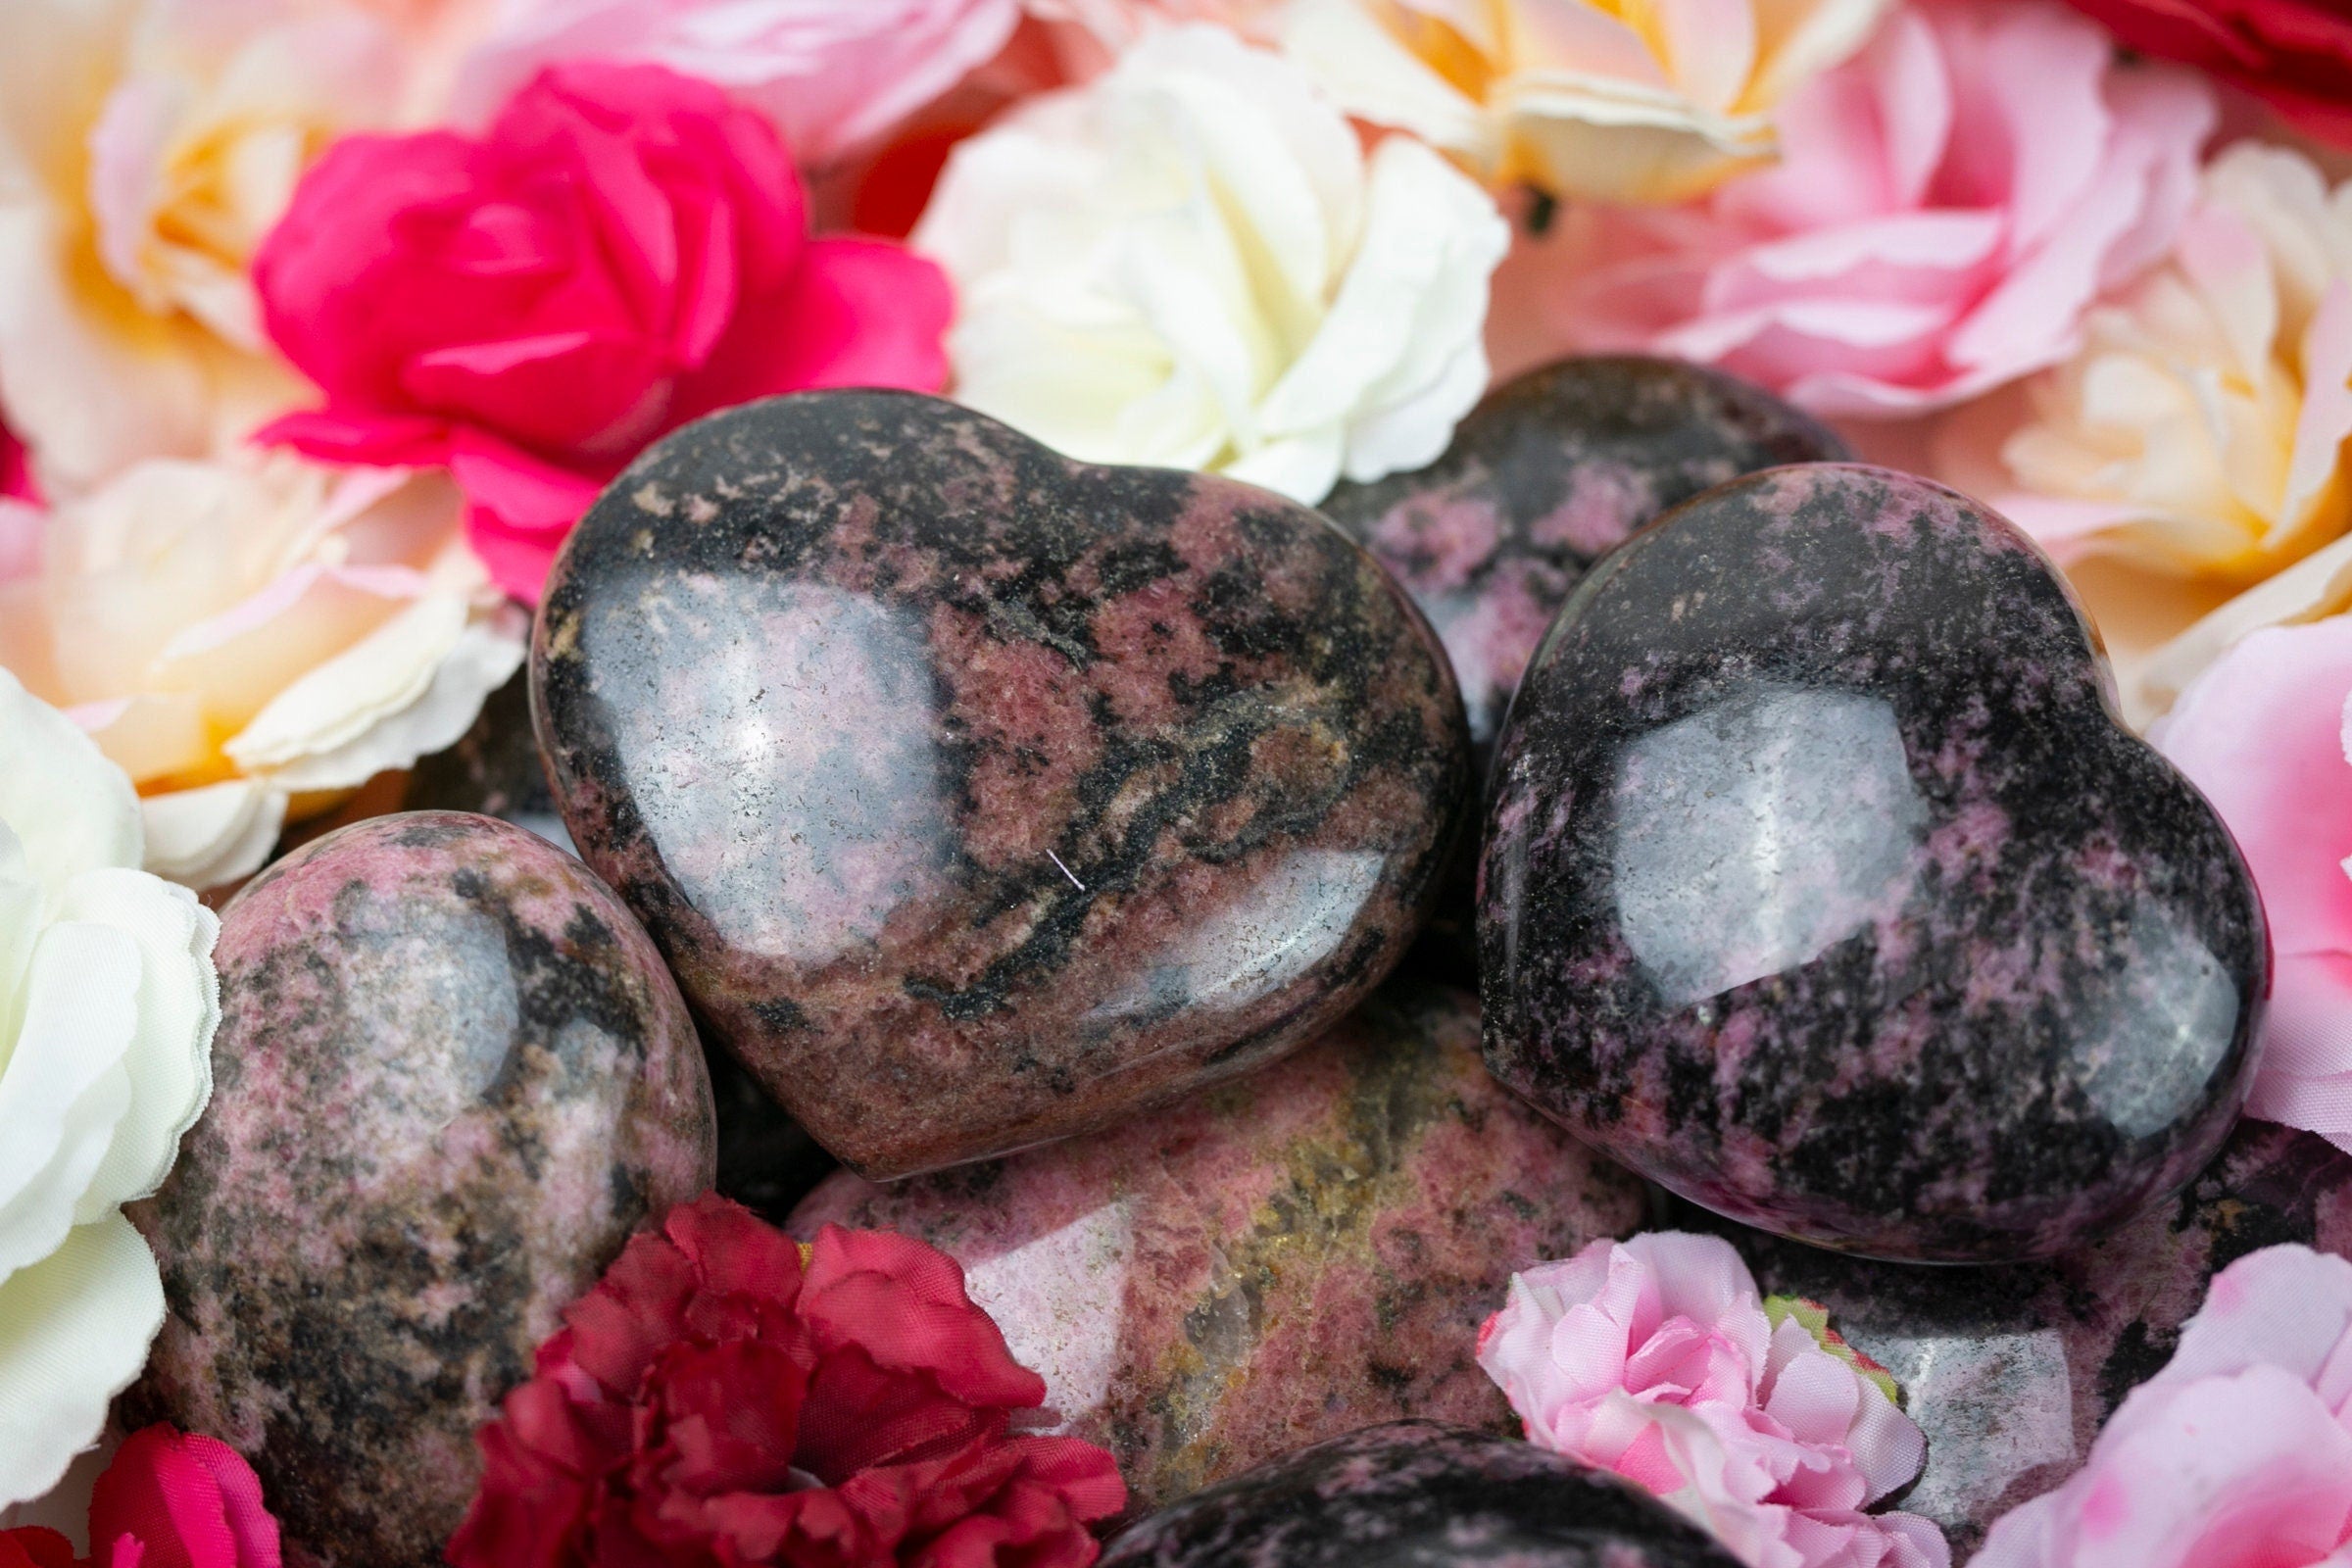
(1192, 263)
(1116, 24)
(2294, 54)
(2265, 732)
(1594, 100)
(623, 250)
(1948, 205)
(832, 77)
(241, 634)
(721, 1398)
(2199, 433)
(2238, 1455)
(1657, 1360)
(169, 1500)
(105, 1061)
(145, 148)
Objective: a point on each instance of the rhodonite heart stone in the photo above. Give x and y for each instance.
(1554, 469)
(979, 798)
(450, 1080)
(1278, 1261)
(1422, 1495)
(1823, 886)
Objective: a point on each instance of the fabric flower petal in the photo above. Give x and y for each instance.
(74, 1330)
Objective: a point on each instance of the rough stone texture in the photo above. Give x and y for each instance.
(1418, 1494)
(1277, 1261)
(452, 1079)
(978, 798)
(1552, 472)
(2012, 1370)
(1822, 885)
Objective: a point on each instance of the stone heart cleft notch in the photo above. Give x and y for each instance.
(1822, 885)
(977, 797)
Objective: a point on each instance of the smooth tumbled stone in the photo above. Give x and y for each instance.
(452, 1078)
(1554, 470)
(979, 798)
(1823, 886)
(493, 769)
(2012, 1370)
(1279, 1260)
(1422, 1495)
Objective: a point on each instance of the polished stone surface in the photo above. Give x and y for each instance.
(1418, 1494)
(2012, 1370)
(978, 798)
(1822, 885)
(452, 1079)
(1280, 1260)
(1554, 470)
(494, 769)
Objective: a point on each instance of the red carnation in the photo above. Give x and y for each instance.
(719, 1402)
(2295, 54)
(167, 1500)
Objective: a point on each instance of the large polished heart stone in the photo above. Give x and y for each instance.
(1419, 1494)
(979, 798)
(450, 1080)
(1823, 886)
(1278, 1261)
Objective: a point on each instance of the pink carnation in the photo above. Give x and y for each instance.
(1657, 1360)
(833, 79)
(2238, 1455)
(2265, 732)
(623, 250)
(1947, 204)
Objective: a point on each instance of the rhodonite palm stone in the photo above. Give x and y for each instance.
(450, 1080)
(1822, 884)
(979, 798)
(1279, 1260)
(1418, 1494)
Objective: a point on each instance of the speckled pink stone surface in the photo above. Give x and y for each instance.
(452, 1079)
(1285, 1258)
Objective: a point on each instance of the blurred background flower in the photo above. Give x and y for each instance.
(1600, 100)
(2296, 55)
(1192, 263)
(250, 636)
(1948, 206)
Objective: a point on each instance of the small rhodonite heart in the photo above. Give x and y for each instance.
(978, 797)
(1823, 886)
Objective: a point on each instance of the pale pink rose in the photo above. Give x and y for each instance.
(2237, 1455)
(1947, 204)
(833, 77)
(2265, 733)
(1656, 1359)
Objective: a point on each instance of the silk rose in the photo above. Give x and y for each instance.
(168, 1499)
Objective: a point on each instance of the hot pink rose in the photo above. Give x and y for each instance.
(833, 79)
(622, 251)
(2238, 1455)
(1947, 204)
(1656, 1359)
(2265, 732)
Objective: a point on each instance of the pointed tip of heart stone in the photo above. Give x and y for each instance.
(1823, 886)
(978, 797)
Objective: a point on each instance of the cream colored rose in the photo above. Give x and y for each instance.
(2188, 464)
(108, 1002)
(1192, 263)
(241, 634)
(1596, 100)
(145, 148)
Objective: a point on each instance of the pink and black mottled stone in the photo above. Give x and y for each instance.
(452, 1078)
(1823, 886)
(2012, 1370)
(979, 798)
(1418, 1494)
(1551, 473)
(1279, 1260)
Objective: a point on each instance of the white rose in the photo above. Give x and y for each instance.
(1191, 263)
(107, 1000)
